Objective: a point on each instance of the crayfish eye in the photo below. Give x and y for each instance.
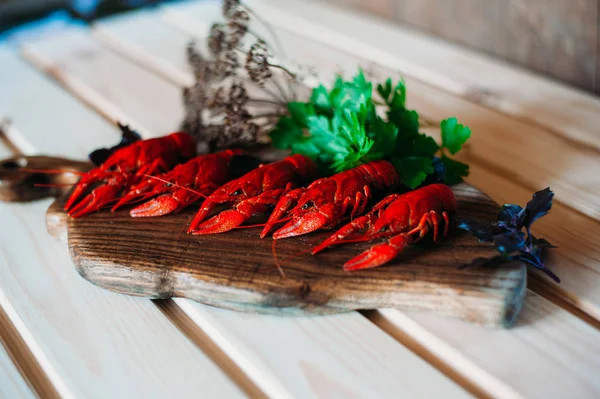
(236, 192)
(307, 205)
(168, 184)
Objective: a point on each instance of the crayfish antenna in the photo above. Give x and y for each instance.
(178, 186)
(52, 171)
(277, 260)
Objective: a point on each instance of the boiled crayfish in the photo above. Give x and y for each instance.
(406, 218)
(327, 201)
(126, 167)
(254, 193)
(182, 186)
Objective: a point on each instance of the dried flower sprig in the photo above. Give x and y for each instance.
(239, 91)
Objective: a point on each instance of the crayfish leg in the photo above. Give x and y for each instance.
(285, 203)
(354, 226)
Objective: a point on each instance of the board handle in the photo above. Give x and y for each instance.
(19, 181)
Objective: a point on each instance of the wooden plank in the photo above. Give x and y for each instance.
(272, 376)
(482, 374)
(562, 110)
(334, 356)
(546, 338)
(12, 383)
(95, 63)
(83, 336)
(4, 152)
(557, 39)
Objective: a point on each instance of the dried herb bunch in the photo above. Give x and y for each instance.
(239, 91)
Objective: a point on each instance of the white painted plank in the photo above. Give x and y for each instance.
(103, 74)
(282, 355)
(333, 356)
(495, 379)
(12, 384)
(143, 34)
(90, 342)
(4, 152)
(548, 354)
(510, 89)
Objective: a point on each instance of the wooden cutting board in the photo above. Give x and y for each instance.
(154, 257)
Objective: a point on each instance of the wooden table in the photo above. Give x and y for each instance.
(63, 89)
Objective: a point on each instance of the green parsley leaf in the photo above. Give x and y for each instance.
(320, 99)
(455, 170)
(285, 133)
(340, 129)
(413, 170)
(454, 135)
(300, 111)
(385, 90)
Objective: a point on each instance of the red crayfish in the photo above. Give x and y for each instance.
(326, 201)
(182, 186)
(406, 218)
(126, 167)
(255, 192)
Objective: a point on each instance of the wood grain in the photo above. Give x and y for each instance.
(234, 271)
(510, 362)
(16, 350)
(554, 38)
(97, 64)
(12, 384)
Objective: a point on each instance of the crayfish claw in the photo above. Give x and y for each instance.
(97, 199)
(160, 206)
(221, 223)
(379, 254)
(307, 223)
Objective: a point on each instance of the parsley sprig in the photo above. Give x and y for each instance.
(340, 129)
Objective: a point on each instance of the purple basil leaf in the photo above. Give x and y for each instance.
(483, 232)
(541, 243)
(540, 205)
(128, 136)
(537, 263)
(507, 243)
(511, 217)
